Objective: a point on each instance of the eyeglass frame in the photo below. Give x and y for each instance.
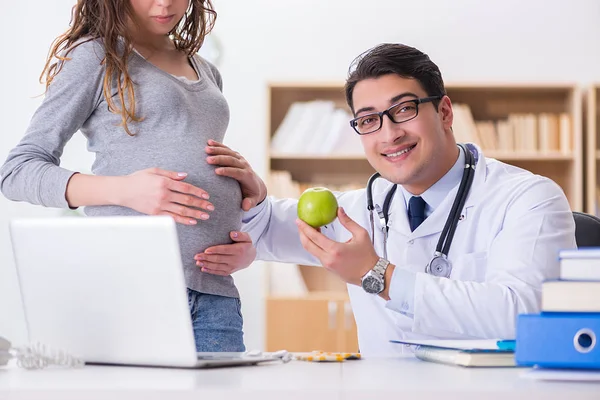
(422, 100)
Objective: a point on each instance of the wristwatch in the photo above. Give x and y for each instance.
(373, 282)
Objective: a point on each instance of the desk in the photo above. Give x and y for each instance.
(393, 378)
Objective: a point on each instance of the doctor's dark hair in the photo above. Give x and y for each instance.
(399, 59)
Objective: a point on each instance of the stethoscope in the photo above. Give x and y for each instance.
(439, 265)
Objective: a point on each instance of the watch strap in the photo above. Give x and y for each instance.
(380, 267)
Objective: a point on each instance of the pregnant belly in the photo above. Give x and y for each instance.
(225, 195)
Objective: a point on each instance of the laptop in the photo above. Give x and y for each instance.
(110, 290)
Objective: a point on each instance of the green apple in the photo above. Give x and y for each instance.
(317, 207)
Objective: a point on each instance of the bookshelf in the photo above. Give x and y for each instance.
(487, 102)
(546, 138)
(592, 124)
(557, 156)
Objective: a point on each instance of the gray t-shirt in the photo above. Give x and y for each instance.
(178, 119)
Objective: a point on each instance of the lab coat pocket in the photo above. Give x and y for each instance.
(470, 267)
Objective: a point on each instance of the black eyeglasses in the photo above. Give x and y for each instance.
(398, 113)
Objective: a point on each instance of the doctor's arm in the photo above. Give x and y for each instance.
(523, 254)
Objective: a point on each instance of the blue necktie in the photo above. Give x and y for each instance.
(416, 212)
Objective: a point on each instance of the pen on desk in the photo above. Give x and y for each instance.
(506, 344)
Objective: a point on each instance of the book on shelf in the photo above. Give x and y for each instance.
(316, 127)
(522, 132)
(549, 132)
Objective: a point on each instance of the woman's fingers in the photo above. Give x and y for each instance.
(217, 264)
(186, 188)
(179, 218)
(190, 201)
(226, 161)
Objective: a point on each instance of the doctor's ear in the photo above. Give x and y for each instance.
(445, 112)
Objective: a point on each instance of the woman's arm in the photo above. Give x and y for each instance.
(32, 171)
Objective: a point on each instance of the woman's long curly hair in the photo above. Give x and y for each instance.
(109, 20)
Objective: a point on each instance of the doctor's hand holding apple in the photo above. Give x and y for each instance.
(351, 260)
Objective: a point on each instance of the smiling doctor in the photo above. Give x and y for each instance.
(446, 243)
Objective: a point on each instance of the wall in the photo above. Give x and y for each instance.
(309, 40)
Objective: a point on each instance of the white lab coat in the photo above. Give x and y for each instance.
(504, 247)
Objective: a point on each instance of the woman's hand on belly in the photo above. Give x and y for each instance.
(227, 258)
(233, 165)
(155, 191)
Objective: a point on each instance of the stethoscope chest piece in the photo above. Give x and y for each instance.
(439, 266)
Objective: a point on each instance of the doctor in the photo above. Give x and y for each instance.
(459, 244)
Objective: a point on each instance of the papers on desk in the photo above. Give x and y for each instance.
(551, 374)
(465, 353)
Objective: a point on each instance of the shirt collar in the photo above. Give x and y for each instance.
(438, 191)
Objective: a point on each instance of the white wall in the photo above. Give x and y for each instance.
(308, 40)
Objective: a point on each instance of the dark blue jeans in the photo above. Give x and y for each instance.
(217, 322)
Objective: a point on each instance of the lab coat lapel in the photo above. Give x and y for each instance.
(398, 216)
(397, 211)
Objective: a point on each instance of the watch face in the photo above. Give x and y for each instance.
(372, 285)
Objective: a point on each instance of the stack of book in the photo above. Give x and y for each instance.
(521, 132)
(566, 332)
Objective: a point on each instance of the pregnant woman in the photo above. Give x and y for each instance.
(126, 74)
